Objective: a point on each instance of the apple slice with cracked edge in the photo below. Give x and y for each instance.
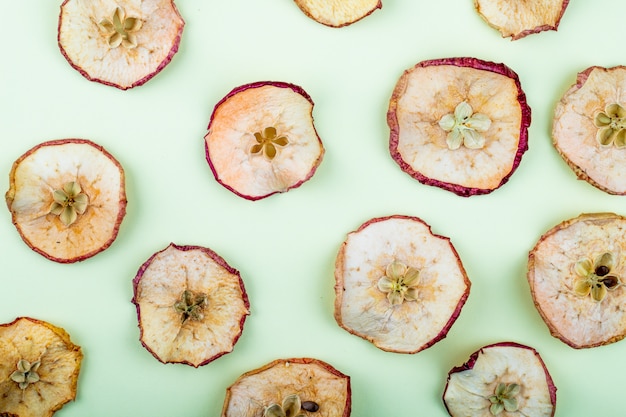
(589, 128)
(262, 140)
(398, 285)
(191, 305)
(576, 275)
(338, 13)
(460, 124)
(39, 367)
(517, 19)
(296, 387)
(119, 43)
(67, 199)
(504, 379)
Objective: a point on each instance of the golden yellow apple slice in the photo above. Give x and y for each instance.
(39, 367)
(67, 199)
(338, 13)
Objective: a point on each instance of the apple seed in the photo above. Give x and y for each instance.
(611, 124)
(594, 278)
(267, 141)
(464, 127)
(69, 202)
(121, 29)
(399, 283)
(26, 373)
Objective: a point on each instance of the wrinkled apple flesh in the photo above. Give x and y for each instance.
(338, 13)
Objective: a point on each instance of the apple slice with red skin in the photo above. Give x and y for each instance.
(191, 305)
(503, 379)
(262, 140)
(119, 43)
(398, 285)
(67, 199)
(338, 13)
(460, 124)
(296, 387)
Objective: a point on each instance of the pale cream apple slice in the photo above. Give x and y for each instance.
(122, 43)
(338, 13)
(262, 140)
(505, 379)
(39, 367)
(191, 305)
(460, 124)
(297, 387)
(576, 273)
(398, 285)
(67, 199)
(517, 19)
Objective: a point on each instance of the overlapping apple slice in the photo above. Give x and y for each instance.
(338, 13)
(191, 305)
(460, 124)
(67, 199)
(262, 141)
(398, 285)
(39, 367)
(121, 43)
(298, 387)
(504, 379)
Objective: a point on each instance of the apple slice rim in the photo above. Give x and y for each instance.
(464, 62)
(378, 6)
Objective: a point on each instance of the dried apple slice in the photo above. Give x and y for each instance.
(589, 128)
(119, 43)
(398, 285)
(67, 199)
(460, 124)
(262, 140)
(297, 387)
(517, 19)
(503, 379)
(576, 274)
(191, 305)
(39, 367)
(338, 13)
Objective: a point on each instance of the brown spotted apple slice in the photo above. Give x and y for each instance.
(298, 387)
(589, 129)
(517, 19)
(398, 285)
(39, 367)
(120, 43)
(576, 274)
(338, 13)
(67, 199)
(460, 124)
(191, 305)
(504, 379)
(262, 141)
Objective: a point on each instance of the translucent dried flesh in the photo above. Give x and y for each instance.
(86, 44)
(337, 13)
(311, 379)
(579, 321)
(49, 167)
(158, 287)
(34, 340)
(575, 135)
(364, 310)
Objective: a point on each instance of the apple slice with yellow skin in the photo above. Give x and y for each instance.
(191, 305)
(398, 285)
(67, 199)
(119, 43)
(338, 13)
(297, 387)
(39, 367)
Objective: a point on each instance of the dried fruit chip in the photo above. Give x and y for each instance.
(516, 19)
(398, 285)
(67, 198)
(119, 43)
(505, 379)
(262, 141)
(459, 123)
(191, 305)
(338, 13)
(576, 275)
(39, 368)
(589, 129)
(290, 387)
